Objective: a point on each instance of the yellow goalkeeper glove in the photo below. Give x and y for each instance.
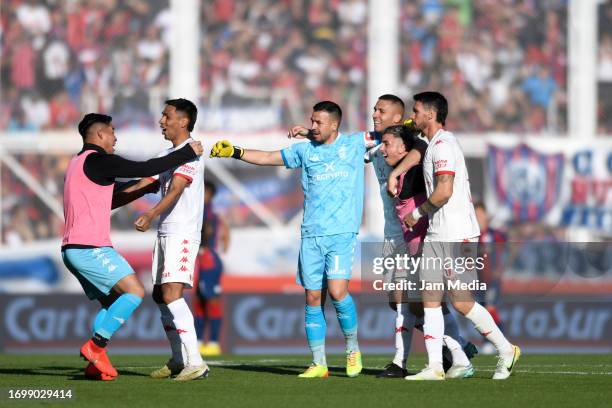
(224, 148)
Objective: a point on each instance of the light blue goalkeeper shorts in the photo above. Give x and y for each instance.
(323, 258)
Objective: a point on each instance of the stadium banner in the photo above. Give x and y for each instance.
(271, 323)
(562, 183)
(274, 323)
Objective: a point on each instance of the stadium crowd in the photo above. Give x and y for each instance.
(501, 63)
(604, 69)
(61, 58)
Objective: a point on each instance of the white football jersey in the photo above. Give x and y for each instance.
(456, 220)
(393, 228)
(185, 217)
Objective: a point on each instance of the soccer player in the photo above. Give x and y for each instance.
(452, 223)
(178, 240)
(397, 141)
(87, 250)
(389, 111)
(333, 184)
(207, 304)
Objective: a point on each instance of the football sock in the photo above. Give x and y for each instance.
(98, 320)
(215, 330)
(170, 329)
(117, 314)
(347, 317)
(315, 333)
(433, 331)
(457, 352)
(452, 329)
(199, 323)
(486, 326)
(183, 321)
(404, 323)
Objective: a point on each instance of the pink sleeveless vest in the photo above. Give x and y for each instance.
(87, 207)
(403, 207)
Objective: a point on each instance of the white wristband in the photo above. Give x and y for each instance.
(416, 214)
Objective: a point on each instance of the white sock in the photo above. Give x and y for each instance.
(459, 357)
(452, 329)
(170, 329)
(183, 321)
(486, 326)
(404, 323)
(433, 331)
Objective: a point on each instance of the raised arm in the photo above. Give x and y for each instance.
(134, 191)
(225, 149)
(101, 167)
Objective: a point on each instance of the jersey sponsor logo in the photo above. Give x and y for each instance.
(329, 167)
(315, 158)
(330, 173)
(183, 268)
(187, 169)
(185, 241)
(525, 181)
(440, 164)
(184, 260)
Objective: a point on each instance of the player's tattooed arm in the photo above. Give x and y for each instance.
(440, 196)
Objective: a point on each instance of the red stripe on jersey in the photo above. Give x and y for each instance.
(444, 172)
(186, 177)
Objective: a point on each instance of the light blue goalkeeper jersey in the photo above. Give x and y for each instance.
(333, 182)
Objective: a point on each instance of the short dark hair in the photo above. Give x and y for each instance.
(210, 186)
(329, 107)
(408, 134)
(187, 107)
(90, 119)
(436, 101)
(393, 99)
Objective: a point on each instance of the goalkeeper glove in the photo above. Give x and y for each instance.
(224, 148)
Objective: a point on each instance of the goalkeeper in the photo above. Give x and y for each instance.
(333, 183)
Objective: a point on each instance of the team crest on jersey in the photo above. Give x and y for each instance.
(342, 152)
(527, 182)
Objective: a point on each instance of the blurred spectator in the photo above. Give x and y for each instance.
(63, 58)
(604, 69)
(284, 56)
(504, 61)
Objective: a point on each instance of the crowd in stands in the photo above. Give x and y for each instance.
(604, 69)
(286, 54)
(61, 58)
(501, 63)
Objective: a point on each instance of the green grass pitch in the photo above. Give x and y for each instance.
(270, 381)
